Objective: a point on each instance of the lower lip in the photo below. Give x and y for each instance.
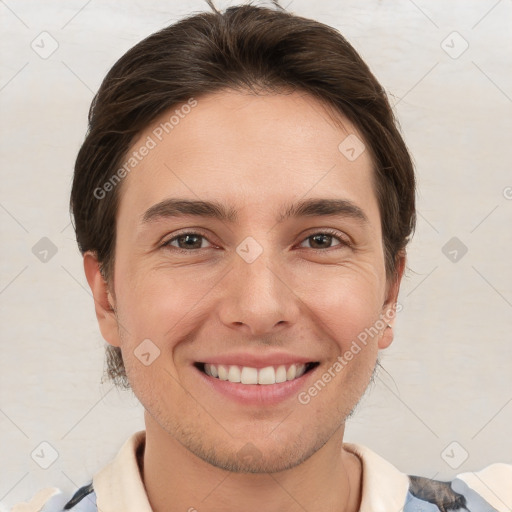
(257, 394)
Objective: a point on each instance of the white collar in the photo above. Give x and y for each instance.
(384, 487)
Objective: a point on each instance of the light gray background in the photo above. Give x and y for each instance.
(449, 368)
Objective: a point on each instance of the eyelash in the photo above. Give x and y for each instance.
(327, 231)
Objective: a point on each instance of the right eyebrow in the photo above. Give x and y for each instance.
(180, 207)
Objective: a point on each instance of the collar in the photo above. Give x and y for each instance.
(384, 487)
(119, 485)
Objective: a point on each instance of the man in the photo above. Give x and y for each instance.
(243, 200)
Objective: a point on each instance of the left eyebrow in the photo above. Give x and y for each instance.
(172, 207)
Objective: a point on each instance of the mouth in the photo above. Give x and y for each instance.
(257, 387)
(270, 375)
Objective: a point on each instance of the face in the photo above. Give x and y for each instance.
(265, 284)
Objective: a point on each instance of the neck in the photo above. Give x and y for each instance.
(176, 480)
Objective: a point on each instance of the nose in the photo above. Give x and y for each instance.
(256, 297)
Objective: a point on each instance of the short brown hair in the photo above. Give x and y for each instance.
(250, 48)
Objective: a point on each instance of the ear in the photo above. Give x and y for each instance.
(388, 308)
(104, 304)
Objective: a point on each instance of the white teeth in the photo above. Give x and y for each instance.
(267, 375)
(248, 375)
(281, 374)
(223, 373)
(234, 374)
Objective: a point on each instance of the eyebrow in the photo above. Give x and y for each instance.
(172, 207)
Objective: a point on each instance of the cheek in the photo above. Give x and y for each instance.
(144, 294)
(345, 301)
(161, 306)
(347, 315)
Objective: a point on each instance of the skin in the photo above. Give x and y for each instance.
(255, 154)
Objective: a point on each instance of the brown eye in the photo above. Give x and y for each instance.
(186, 241)
(323, 240)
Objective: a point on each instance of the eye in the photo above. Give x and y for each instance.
(186, 241)
(321, 239)
(190, 241)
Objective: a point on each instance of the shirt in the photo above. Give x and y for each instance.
(118, 487)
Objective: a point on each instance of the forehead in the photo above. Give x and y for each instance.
(250, 150)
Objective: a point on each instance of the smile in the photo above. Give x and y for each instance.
(249, 386)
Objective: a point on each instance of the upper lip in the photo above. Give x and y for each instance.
(257, 360)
